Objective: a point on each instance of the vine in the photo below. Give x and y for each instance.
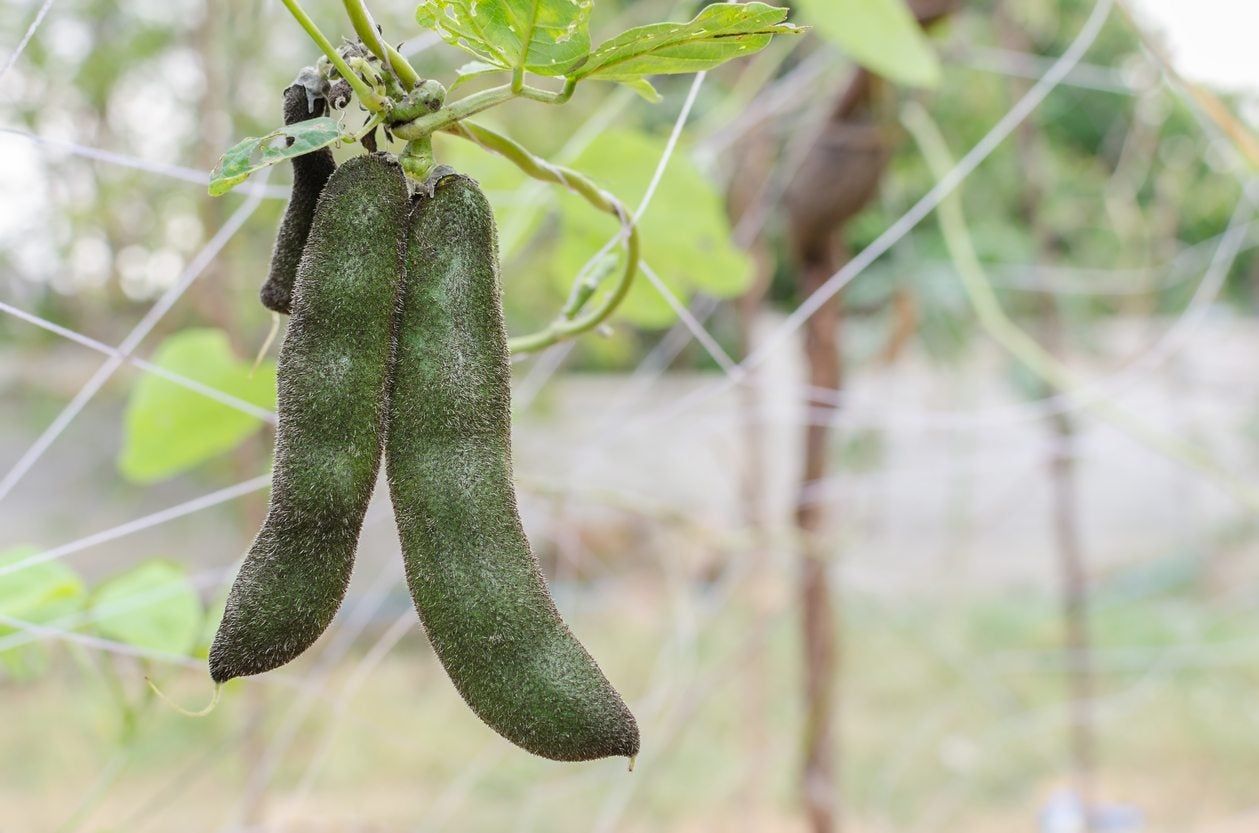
(412, 108)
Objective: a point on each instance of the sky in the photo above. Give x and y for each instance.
(1212, 41)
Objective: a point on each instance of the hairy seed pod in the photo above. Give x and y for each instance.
(476, 584)
(333, 379)
(310, 175)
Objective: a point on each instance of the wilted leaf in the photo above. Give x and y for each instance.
(169, 428)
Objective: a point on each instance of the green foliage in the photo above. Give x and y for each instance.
(717, 34)
(686, 233)
(169, 428)
(153, 606)
(37, 594)
(881, 35)
(551, 37)
(257, 152)
(547, 37)
(473, 70)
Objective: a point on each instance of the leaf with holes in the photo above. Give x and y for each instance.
(717, 34)
(153, 606)
(257, 152)
(170, 428)
(881, 35)
(36, 594)
(546, 37)
(685, 230)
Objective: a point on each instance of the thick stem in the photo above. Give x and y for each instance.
(417, 158)
(451, 115)
(365, 28)
(366, 96)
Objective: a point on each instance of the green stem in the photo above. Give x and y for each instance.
(568, 324)
(417, 158)
(546, 96)
(366, 96)
(1022, 346)
(451, 115)
(365, 27)
(372, 123)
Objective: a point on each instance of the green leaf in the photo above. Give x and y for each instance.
(643, 88)
(169, 428)
(546, 37)
(685, 230)
(39, 594)
(717, 34)
(471, 70)
(881, 35)
(153, 606)
(255, 153)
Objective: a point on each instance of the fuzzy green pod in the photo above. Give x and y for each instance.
(310, 174)
(476, 583)
(333, 378)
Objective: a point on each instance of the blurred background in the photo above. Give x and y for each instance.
(914, 489)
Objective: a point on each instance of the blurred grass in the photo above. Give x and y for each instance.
(952, 719)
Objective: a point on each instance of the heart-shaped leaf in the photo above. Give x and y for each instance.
(169, 428)
(153, 606)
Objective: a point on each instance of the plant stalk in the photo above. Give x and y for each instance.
(365, 27)
(569, 325)
(366, 96)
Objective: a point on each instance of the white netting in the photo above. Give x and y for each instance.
(706, 634)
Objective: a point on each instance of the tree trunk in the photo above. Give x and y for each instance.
(819, 629)
(1073, 577)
